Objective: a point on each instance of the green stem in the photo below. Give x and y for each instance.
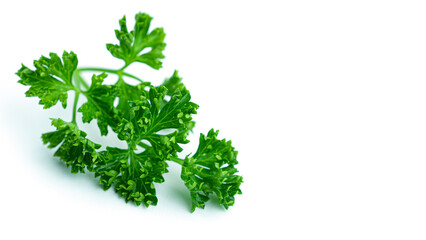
(79, 79)
(107, 70)
(74, 107)
(143, 145)
(124, 67)
(176, 160)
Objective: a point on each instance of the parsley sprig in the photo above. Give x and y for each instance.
(156, 119)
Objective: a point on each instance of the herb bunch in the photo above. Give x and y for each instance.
(156, 119)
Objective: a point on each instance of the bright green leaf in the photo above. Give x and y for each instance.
(211, 170)
(132, 44)
(51, 80)
(100, 104)
(75, 149)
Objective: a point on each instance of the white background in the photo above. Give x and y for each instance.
(324, 100)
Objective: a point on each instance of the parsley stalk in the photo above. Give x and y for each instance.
(119, 72)
(74, 108)
(176, 160)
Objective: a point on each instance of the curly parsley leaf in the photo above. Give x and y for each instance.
(100, 104)
(150, 119)
(128, 93)
(132, 44)
(174, 83)
(51, 80)
(75, 149)
(211, 170)
(132, 175)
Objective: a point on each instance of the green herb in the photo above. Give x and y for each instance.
(157, 119)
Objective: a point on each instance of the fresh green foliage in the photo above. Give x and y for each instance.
(132, 175)
(134, 42)
(212, 170)
(51, 80)
(173, 83)
(154, 121)
(100, 104)
(76, 150)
